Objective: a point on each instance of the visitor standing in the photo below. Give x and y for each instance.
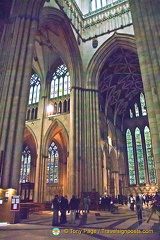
(87, 202)
(139, 208)
(73, 208)
(55, 203)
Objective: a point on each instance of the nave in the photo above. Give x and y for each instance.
(94, 225)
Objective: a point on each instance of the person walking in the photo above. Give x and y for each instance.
(139, 209)
(56, 208)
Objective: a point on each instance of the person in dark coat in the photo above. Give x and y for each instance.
(63, 209)
(77, 207)
(139, 209)
(56, 208)
(73, 208)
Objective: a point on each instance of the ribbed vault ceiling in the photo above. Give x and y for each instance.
(120, 80)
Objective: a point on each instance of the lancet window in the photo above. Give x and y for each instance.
(150, 160)
(34, 89)
(136, 110)
(97, 4)
(143, 105)
(25, 165)
(131, 164)
(52, 164)
(60, 84)
(140, 157)
(139, 148)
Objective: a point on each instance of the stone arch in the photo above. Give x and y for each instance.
(62, 46)
(57, 133)
(121, 163)
(125, 41)
(56, 128)
(30, 140)
(114, 160)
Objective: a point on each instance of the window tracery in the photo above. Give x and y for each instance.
(34, 89)
(97, 4)
(25, 165)
(140, 158)
(52, 164)
(143, 105)
(60, 84)
(136, 109)
(150, 160)
(131, 165)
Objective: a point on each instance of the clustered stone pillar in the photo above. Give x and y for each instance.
(93, 166)
(76, 150)
(146, 22)
(17, 54)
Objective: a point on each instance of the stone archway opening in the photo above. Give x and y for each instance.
(56, 163)
(120, 88)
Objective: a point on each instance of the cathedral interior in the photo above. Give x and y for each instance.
(79, 97)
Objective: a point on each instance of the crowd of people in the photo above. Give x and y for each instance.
(62, 205)
(106, 203)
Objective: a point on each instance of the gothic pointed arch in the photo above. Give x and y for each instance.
(95, 66)
(29, 156)
(58, 44)
(30, 139)
(114, 161)
(56, 152)
(58, 132)
(121, 164)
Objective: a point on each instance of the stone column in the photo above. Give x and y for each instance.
(116, 183)
(108, 180)
(41, 163)
(17, 54)
(93, 158)
(146, 22)
(104, 177)
(75, 160)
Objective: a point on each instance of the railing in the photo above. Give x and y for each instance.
(110, 18)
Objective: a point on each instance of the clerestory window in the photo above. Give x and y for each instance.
(97, 4)
(34, 89)
(60, 84)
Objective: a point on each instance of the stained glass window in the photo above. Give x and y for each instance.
(143, 104)
(60, 84)
(140, 158)
(131, 113)
(136, 110)
(150, 160)
(52, 165)
(131, 166)
(34, 89)
(97, 4)
(25, 165)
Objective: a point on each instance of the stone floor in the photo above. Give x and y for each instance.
(94, 225)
